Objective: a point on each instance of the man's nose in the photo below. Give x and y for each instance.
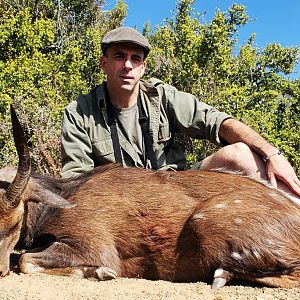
(128, 64)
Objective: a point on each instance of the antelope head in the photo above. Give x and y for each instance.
(11, 198)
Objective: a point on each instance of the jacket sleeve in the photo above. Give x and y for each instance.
(76, 148)
(192, 117)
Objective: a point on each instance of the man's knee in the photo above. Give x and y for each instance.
(237, 151)
(236, 157)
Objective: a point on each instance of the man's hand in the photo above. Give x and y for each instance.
(278, 168)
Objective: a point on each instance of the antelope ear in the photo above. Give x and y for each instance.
(40, 194)
(8, 174)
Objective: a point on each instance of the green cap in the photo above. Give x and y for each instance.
(125, 35)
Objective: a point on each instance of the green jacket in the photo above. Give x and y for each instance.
(86, 139)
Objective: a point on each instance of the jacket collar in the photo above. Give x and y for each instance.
(100, 96)
(150, 98)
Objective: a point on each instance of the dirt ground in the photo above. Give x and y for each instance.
(40, 286)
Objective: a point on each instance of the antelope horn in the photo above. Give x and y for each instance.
(13, 194)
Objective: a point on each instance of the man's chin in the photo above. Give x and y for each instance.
(126, 87)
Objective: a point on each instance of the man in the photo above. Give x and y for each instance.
(133, 122)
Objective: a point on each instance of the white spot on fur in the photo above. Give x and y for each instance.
(32, 268)
(237, 221)
(256, 254)
(78, 273)
(238, 201)
(221, 205)
(236, 256)
(198, 216)
(219, 272)
(269, 242)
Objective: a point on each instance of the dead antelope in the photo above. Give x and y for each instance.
(182, 226)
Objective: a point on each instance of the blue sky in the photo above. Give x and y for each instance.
(271, 20)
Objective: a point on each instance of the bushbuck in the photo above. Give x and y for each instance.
(184, 226)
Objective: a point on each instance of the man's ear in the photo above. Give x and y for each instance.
(144, 67)
(103, 63)
(40, 194)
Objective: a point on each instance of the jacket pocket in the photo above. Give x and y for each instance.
(103, 150)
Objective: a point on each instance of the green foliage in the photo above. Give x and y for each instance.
(49, 53)
(201, 58)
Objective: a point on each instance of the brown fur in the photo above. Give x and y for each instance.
(178, 226)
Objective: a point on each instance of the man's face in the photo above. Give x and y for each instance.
(123, 65)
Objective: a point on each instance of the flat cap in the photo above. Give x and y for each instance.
(125, 35)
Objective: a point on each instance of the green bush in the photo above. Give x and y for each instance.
(49, 53)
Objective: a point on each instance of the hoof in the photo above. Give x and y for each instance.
(218, 283)
(221, 277)
(105, 273)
